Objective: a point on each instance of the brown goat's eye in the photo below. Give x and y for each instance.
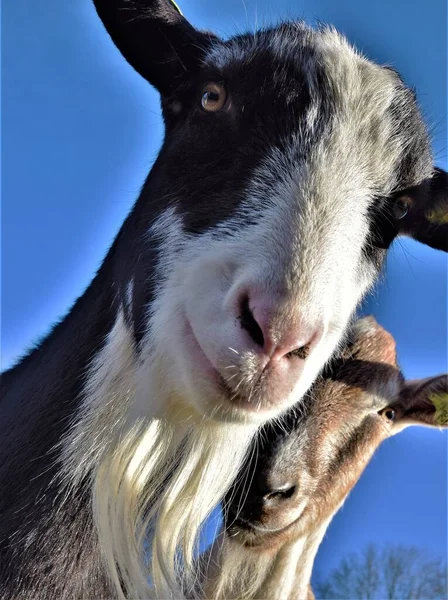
(213, 97)
(389, 414)
(281, 494)
(400, 208)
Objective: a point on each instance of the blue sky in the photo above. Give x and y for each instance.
(80, 132)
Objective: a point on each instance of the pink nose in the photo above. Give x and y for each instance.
(276, 330)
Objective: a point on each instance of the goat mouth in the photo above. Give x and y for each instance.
(251, 526)
(252, 534)
(250, 403)
(237, 523)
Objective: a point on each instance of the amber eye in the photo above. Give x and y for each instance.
(213, 97)
(281, 494)
(388, 414)
(400, 208)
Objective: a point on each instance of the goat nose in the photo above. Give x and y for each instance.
(276, 335)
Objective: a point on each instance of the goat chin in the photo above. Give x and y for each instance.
(229, 570)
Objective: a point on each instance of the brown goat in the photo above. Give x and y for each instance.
(307, 465)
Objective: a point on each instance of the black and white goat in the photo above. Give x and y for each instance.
(290, 163)
(307, 464)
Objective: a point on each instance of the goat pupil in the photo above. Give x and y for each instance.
(400, 209)
(210, 97)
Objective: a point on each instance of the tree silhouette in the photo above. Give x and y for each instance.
(389, 573)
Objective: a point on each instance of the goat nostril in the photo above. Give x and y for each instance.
(249, 323)
(280, 494)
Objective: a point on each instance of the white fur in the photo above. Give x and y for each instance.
(235, 571)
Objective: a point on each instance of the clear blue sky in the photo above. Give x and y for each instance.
(80, 132)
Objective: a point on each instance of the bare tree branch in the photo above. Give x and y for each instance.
(390, 573)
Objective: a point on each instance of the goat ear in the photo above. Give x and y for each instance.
(155, 38)
(424, 402)
(426, 219)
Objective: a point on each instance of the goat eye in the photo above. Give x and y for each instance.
(400, 209)
(388, 413)
(281, 494)
(213, 97)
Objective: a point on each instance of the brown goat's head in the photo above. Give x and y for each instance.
(308, 463)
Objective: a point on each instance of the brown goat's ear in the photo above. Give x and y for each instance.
(424, 402)
(422, 211)
(156, 39)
